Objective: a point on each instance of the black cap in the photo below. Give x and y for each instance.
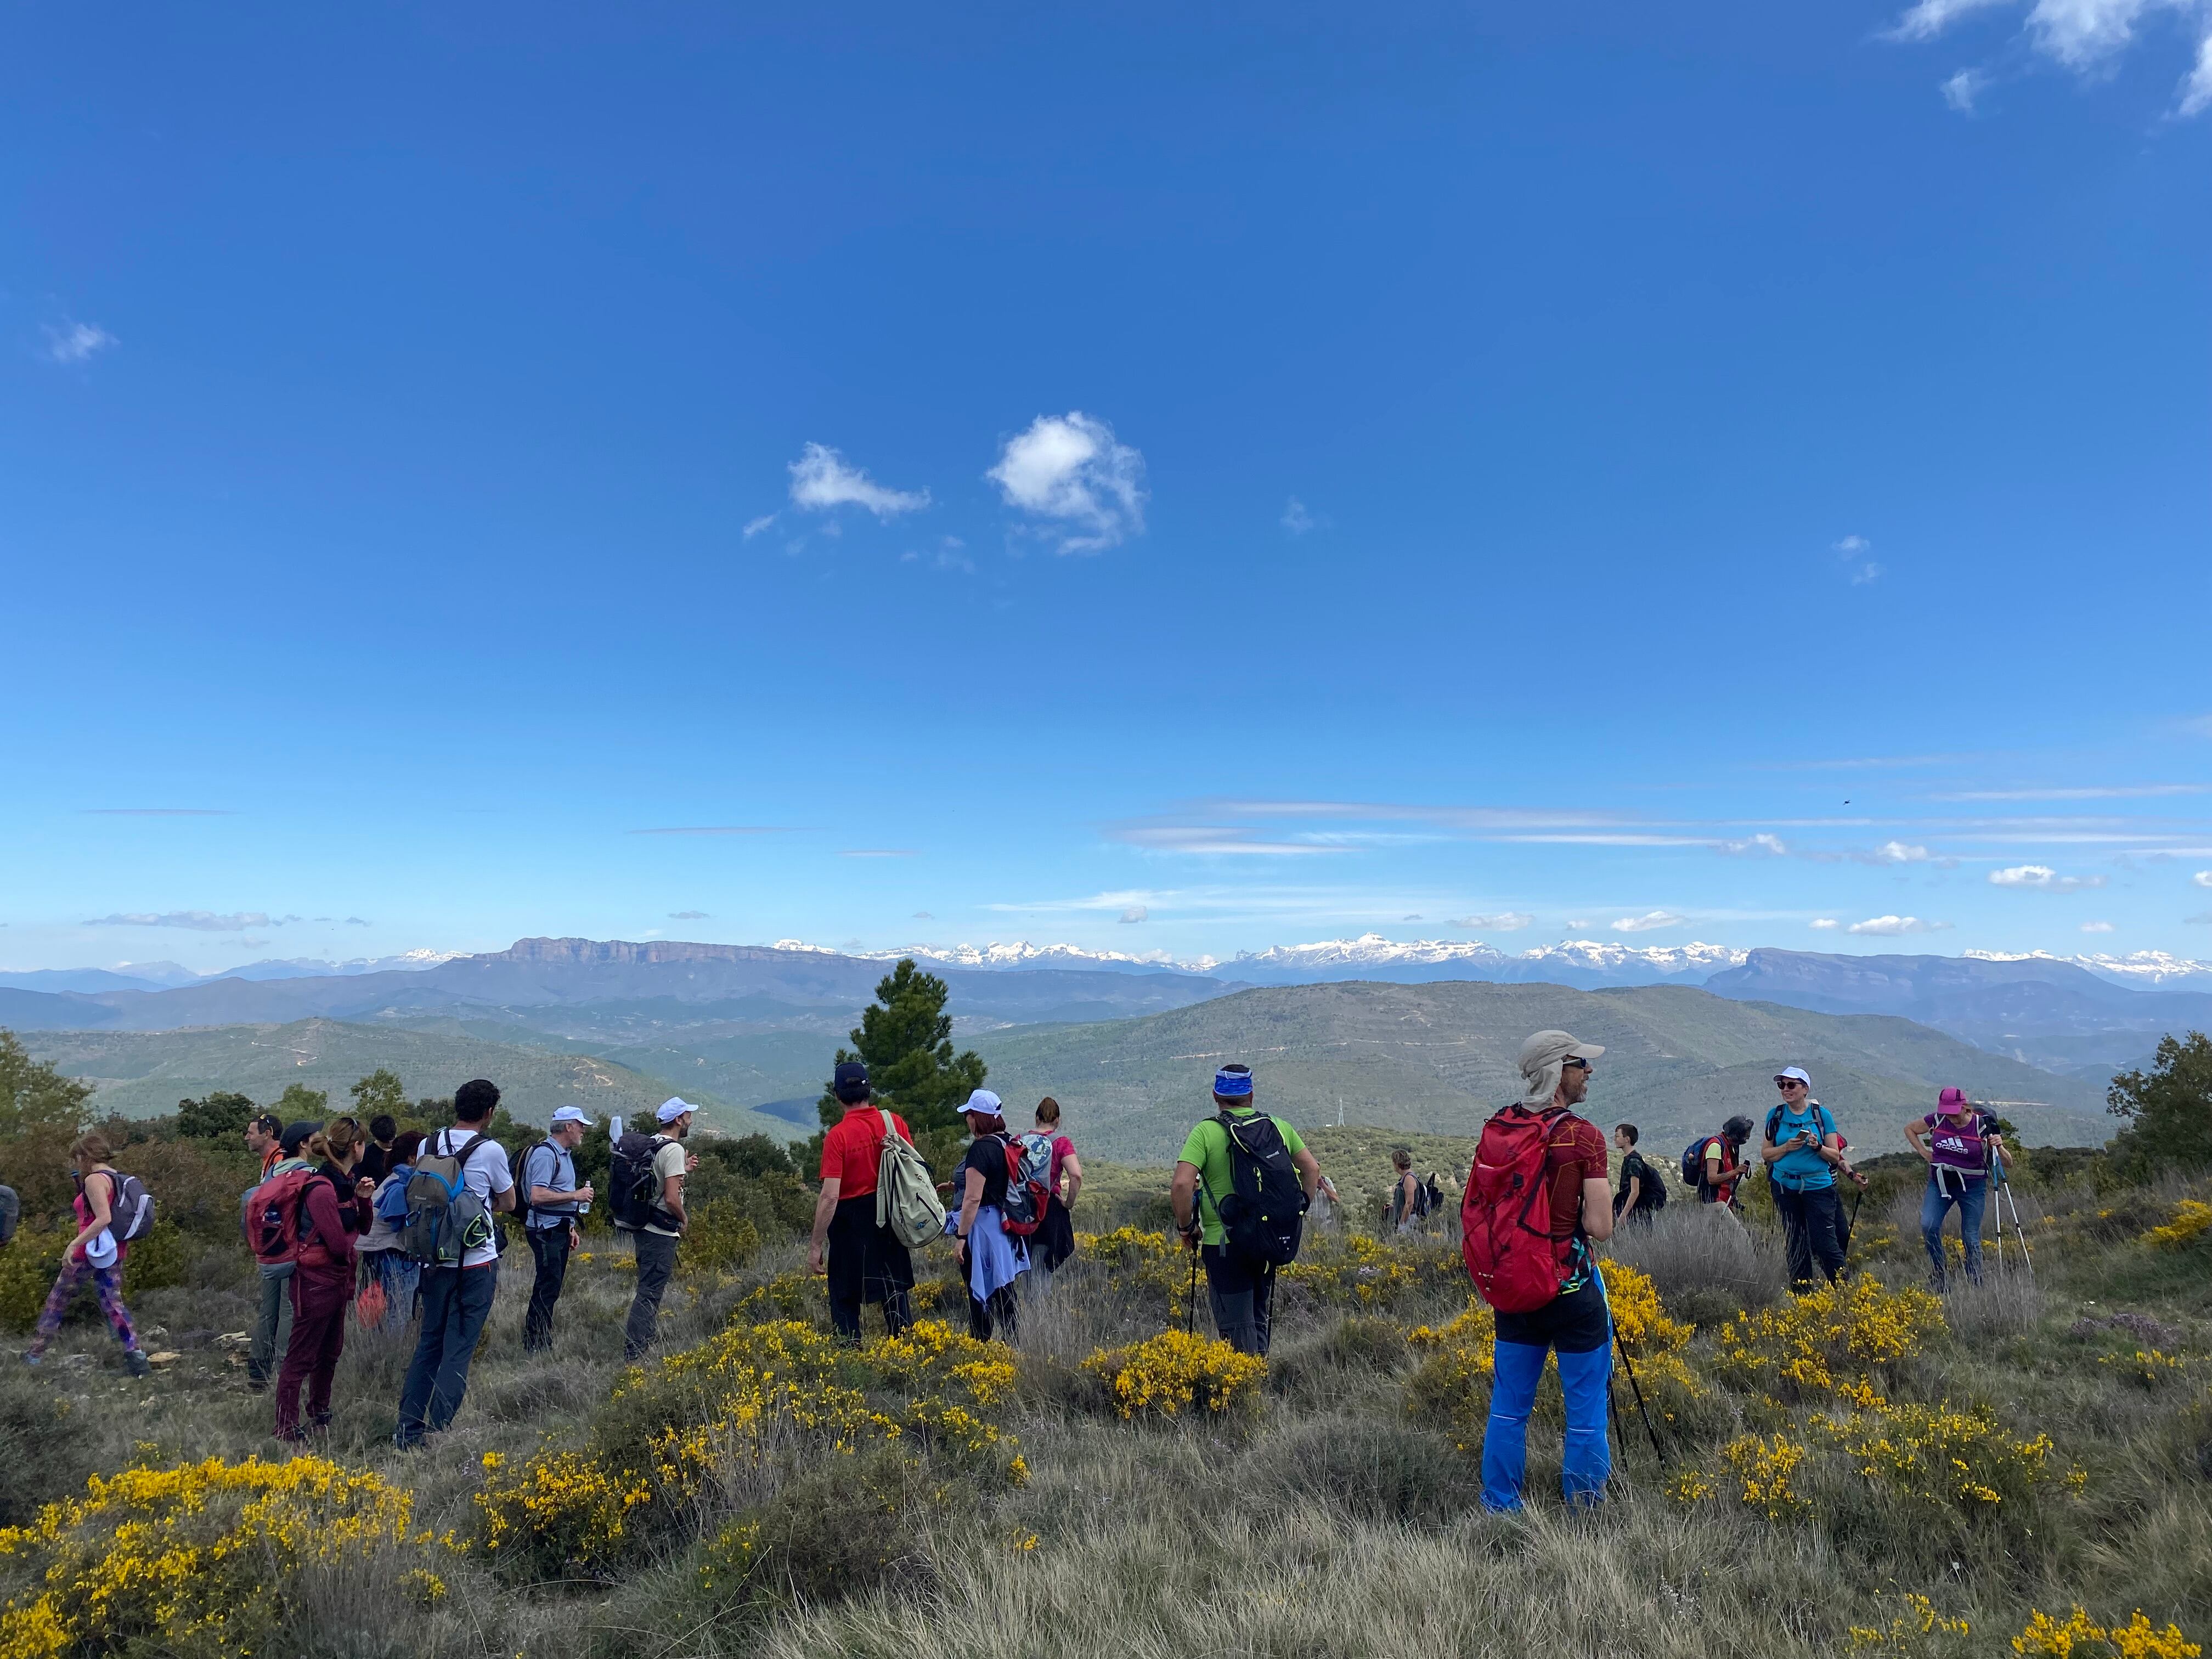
(849, 1083)
(295, 1136)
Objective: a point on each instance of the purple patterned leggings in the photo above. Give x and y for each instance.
(106, 1285)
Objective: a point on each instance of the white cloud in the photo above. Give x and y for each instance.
(357, 921)
(1960, 91)
(2203, 878)
(1823, 924)
(76, 343)
(1649, 921)
(1071, 468)
(1772, 846)
(754, 526)
(1135, 913)
(1890, 926)
(2097, 927)
(688, 915)
(1298, 520)
(923, 916)
(2082, 35)
(1853, 550)
(201, 921)
(1505, 921)
(877, 852)
(821, 479)
(1896, 852)
(1219, 838)
(2042, 878)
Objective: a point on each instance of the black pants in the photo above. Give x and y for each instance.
(866, 1263)
(1001, 1314)
(548, 1247)
(656, 1266)
(1055, 1235)
(1242, 1293)
(1813, 1223)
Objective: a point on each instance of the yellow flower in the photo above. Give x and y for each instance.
(1175, 1371)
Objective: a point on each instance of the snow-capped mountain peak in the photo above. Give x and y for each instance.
(2156, 969)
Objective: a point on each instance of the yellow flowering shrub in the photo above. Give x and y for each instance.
(1353, 1271)
(1176, 1371)
(571, 1512)
(2077, 1635)
(787, 1296)
(1767, 1472)
(1451, 1386)
(1132, 1256)
(2192, 1219)
(1830, 1339)
(194, 1557)
(1961, 1460)
(1909, 1632)
(2149, 1366)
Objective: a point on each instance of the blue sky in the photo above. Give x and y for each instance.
(1280, 473)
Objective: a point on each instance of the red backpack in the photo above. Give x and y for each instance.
(1505, 1219)
(276, 1224)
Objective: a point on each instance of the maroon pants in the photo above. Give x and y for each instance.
(319, 1311)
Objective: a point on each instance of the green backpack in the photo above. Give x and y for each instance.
(906, 1198)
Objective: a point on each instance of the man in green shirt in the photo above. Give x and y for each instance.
(1242, 1290)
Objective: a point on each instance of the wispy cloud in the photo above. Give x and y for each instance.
(877, 852)
(1962, 89)
(1823, 924)
(2101, 792)
(1071, 468)
(754, 526)
(2202, 916)
(2042, 878)
(822, 479)
(2097, 927)
(721, 829)
(1136, 913)
(688, 915)
(1895, 852)
(1502, 921)
(1650, 921)
(1772, 846)
(199, 921)
(1853, 550)
(1298, 519)
(1890, 926)
(1229, 840)
(2084, 36)
(2203, 878)
(76, 343)
(357, 921)
(159, 812)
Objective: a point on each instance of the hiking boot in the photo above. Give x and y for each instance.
(134, 1361)
(30, 1357)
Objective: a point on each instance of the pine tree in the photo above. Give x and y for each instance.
(2167, 1109)
(905, 1036)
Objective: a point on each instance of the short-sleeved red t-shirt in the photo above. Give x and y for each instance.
(1576, 1153)
(855, 1146)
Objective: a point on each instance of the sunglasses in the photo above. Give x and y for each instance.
(1787, 1083)
(1579, 1063)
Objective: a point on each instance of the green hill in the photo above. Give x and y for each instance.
(145, 1074)
(1439, 1057)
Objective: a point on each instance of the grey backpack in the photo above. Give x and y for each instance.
(445, 1219)
(906, 1198)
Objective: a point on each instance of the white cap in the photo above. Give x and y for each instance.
(673, 1107)
(1797, 1072)
(570, 1115)
(984, 1104)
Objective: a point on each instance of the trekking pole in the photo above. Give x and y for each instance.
(1851, 1231)
(1190, 1303)
(2005, 1193)
(1629, 1365)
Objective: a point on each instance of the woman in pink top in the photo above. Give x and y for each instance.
(1055, 1235)
(94, 1257)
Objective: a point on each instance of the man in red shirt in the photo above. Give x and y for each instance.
(865, 1262)
(1555, 1070)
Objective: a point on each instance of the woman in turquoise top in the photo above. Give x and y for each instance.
(1802, 1152)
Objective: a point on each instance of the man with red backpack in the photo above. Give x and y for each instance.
(1537, 1196)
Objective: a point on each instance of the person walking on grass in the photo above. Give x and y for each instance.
(1960, 1145)
(991, 1258)
(864, 1262)
(286, 1149)
(1802, 1152)
(1536, 1200)
(1642, 1194)
(386, 1298)
(552, 1204)
(1721, 1164)
(335, 1210)
(1239, 1282)
(456, 1298)
(1055, 1235)
(662, 1224)
(1406, 1193)
(94, 1257)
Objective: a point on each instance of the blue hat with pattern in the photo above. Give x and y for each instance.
(1233, 1082)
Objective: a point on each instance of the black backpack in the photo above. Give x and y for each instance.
(632, 1190)
(518, 1171)
(11, 1211)
(1652, 1193)
(1264, 1211)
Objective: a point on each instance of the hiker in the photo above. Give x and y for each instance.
(1642, 1194)
(11, 1213)
(863, 1262)
(376, 1159)
(1803, 1152)
(1278, 1175)
(1960, 1145)
(287, 1150)
(659, 1163)
(992, 1258)
(1408, 1198)
(459, 1257)
(386, 1298)
(1055, 1235)
(334, 1209)
(551, 1204)
(1543, 1284)
(263, 1132)
(1716, 1164)
(95, 1256)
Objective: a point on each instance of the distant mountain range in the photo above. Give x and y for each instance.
(1441, 1057)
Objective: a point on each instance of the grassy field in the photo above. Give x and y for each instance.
(2020, 1449)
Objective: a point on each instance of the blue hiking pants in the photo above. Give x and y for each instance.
(456, 1303)
(1971, 1196)
(1583, 1378)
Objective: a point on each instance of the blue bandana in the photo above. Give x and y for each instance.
(1233, 1081)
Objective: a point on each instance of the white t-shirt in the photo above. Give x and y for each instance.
(668, 1160)
(484, 1174)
